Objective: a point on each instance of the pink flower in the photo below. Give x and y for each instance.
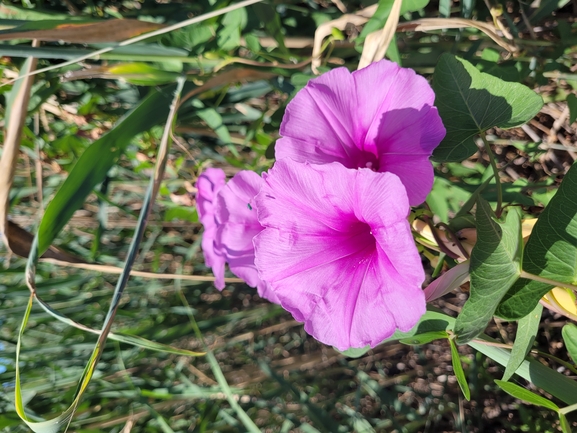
(381, 117)
(209, 183)
(338, 252)
(230, 223)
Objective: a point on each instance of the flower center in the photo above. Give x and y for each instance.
(368, 160)
(362, 236)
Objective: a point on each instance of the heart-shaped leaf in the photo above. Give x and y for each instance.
(470, 102)
(551, 251)
(495, 266)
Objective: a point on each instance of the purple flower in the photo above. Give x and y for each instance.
(338, 252)
(381, 117)
(230, 223)
(209, 183)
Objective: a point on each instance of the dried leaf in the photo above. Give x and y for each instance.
(425, 24)
(377, 43)
(326, 29)
(82, 33)
(15, 118)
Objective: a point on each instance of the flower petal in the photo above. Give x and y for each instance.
(209, 183)
(237, 225)
(317, 124)
(399, 123)
(337, 250)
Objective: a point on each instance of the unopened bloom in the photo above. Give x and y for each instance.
(338, 252)
(228, 235)
(381, 117)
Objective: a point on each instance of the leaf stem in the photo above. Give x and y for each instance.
(555, 283)
(566, 410)
(496, 171)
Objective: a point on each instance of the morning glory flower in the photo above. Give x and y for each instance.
(337, 251)
(381, 117)
(209, 183)
(230, 225)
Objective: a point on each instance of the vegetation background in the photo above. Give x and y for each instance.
(241, 69)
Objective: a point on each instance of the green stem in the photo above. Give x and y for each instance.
(555, 283)
(439, 266)
(496, 171)
(566, 410)
(565, 364)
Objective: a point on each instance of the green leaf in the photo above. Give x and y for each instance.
(272, 24)
(97, 159)
(526, 395)
(252, 43)
(526, 333)
(141, 74)
(562, 387)
(382, 13)
(572, 104)
(214, 121)
(470, 102)
(425, 338)
(551, 251)
(495, 266)
(570, 339)
(431, 321)
(458, 369)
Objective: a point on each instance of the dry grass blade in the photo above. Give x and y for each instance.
(427, 24)
(136, 39)
(83, 33)
(108, 269)
(325, 30)
(377, 43)
(16, 116)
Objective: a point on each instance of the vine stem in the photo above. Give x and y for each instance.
(555, 283)
(496, 171)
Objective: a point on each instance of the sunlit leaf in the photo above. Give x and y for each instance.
(95, 162)
(495, 266)
(470, 102)
(141, 74)
(550, 252)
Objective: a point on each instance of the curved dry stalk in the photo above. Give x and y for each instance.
(426, 24)
(109, 269)
(325, 30)
(377, 43)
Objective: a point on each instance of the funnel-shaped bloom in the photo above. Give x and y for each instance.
(228, 235)
(337, 250)
(381, 117)
(209, 183)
